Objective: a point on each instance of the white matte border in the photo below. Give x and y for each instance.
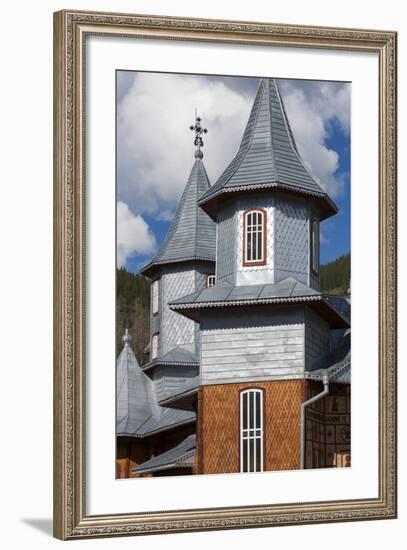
(105, 495)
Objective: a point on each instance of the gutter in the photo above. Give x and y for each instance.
(325, 381)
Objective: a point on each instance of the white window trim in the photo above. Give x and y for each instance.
(251, 434)
(258, 233)
(155, 296)
(210, 280)
(154, 345)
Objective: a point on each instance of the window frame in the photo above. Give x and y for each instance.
(208, 276)
(157, 336)
(251, 468)
(157, 311)
(314, 245)
(263, 261)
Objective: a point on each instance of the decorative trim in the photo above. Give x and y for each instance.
(155, 432)
(71, 28)
(245, 261)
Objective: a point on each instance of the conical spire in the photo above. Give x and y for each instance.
(267, 156)
(133, 394)
(192, 234)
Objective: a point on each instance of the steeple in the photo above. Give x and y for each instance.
(267, 157)
(134, 390)
(192, 234)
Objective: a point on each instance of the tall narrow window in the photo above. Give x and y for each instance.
(251, 431)
(254, 237)
(156, 296)
(210, 280)
(154, 346)
(314, 246)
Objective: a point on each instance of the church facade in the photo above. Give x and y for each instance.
(249, 366)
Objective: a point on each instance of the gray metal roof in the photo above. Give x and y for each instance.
(338, 362)
(267, 156)
(284, 292)
(192, 233)
(138, 411)
(134, 391)
(177, 356)
(189, 388)
(181, 456)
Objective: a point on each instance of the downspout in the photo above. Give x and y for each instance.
(325, 381)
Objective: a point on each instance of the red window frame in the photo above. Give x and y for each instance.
(263, 261)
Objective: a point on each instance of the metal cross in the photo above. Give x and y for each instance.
(197, 128)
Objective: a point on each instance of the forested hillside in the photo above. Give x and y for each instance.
(133, 311)
(335, 276)
(133, 301)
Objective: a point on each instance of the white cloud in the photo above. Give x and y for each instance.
(312, 108)
(156, 146)
(133, 235)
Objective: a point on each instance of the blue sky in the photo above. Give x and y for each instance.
(155, 148)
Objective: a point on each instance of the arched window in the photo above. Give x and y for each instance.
(254, 237)
(154, 346)
(155, 298)
(251, 430)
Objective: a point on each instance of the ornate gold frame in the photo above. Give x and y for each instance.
(70, 30)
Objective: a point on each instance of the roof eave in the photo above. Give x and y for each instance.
(155, 432)
(154, 267)
(210, 204)
(319, 303)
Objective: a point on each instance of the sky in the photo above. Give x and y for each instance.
(155, 150)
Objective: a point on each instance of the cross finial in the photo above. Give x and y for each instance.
(198, 141)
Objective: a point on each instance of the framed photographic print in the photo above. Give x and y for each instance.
(224, 192)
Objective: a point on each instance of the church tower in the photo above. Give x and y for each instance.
(265, 326)
(185, 263)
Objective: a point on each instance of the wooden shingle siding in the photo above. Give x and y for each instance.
(274, 348)
(176, 329)
(219, 411)
(291, 239)
(226, 239)
(317, 340)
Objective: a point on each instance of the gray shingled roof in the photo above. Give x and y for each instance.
(134, 391)
(192, 234)
(267, 156)
(190, 387)
(338, 363)
(176, 356)
(284, 292)
(181, 456)
(138, 412)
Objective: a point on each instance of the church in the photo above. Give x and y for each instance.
(249, 363)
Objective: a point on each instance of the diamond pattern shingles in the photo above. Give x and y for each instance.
(292, 238)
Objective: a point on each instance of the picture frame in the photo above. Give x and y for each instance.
(72, 29)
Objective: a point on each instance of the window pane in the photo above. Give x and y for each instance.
(244, 399)
(251, 413)
(258, 410)
(251, 455)
(258, 455)
(244, 455)
(259, 245)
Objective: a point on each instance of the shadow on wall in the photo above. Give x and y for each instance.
(40, 524)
